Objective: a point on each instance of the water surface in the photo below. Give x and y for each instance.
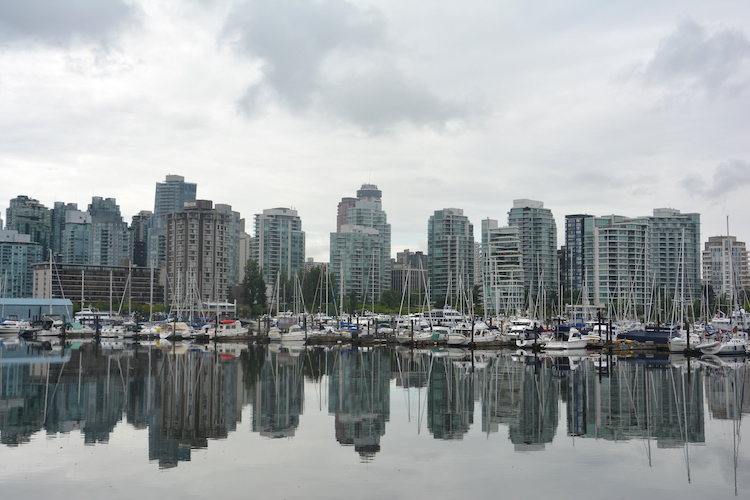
(160, 420)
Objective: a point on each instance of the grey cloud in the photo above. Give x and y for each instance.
(294, 37)
(61, 22)
(728, 176)
(376, 101)
(331, 56)
(717, 63)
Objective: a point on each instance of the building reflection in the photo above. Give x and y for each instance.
(187, 395)
(278, 399)
(359, 398)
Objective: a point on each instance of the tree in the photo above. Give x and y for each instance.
(253, 286)
(391, 300)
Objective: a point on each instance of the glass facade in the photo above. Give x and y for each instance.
(18, 254)
(281, 242)
(537, 233)
(503, 269)
(450, 254)
(360, 252)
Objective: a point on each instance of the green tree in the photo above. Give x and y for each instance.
(254, 287)
(390, 300)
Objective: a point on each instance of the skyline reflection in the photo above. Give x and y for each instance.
(189, 395)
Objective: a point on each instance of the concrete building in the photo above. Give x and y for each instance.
(280, 243)
(234, 230)
(18, 254)
(725, 267)
(409, 272)
(197, 260)
(537, 234)
(360, 249)
(503, 284)
(120, 286)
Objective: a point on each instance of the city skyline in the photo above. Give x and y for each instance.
(590, 107)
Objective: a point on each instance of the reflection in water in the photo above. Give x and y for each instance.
(359, 398)
(187, 395)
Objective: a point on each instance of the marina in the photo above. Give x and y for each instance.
(285, 420)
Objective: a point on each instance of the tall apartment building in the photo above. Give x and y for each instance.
(503, 285)
(139, 227)
(344, 205)
(633, 260)
(197, 260)
(409, 271)
(537, 234)
(75, 246)
(450, 254)
(57, 224)
(725, 266)
(673, 253)
(111, 240)
(360, 250)
(280, 243)
(28, 216)
(246, 249)
(170, 196)
(618, 271)
(575, 252)
(234, 230)
(18, 254)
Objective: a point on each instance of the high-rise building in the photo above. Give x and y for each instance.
(18, 254)
(503, 290)
(57, 223)
(450, 255)
(344, 206)
(575, 252)
(280, 241)
(28, 216)
(111, 240)
(633, 261)
(197, 261)
(247, 244)
(360, 250)
(171, 196)
(76, 238)
(537, 234)
(409, 272)
(139, 228)
(617, 245)
(725, 266)
(234, 229)
(673, 253)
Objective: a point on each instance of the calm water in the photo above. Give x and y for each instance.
(110, 421)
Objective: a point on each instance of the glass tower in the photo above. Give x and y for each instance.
(360, 251)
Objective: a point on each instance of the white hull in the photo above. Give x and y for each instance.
(566, 344)
(729, 347)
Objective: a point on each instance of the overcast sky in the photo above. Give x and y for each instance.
(590, 106)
